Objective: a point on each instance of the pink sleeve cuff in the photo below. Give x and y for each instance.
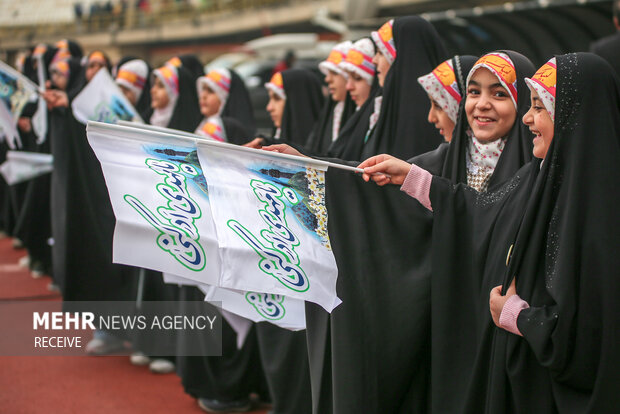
(417, 184)
(508, 318)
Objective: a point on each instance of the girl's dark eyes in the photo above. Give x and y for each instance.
(473, 92)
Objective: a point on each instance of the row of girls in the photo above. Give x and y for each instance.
(485, 280)
(72, 208)
(271, 366)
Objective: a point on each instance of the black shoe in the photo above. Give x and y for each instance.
(216, 406)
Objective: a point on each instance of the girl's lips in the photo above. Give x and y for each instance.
(482, 121)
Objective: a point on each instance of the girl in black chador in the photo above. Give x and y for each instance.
(89, 274)
(294, 107)
(175, 105)
(221, 383)
(488, 147)
(134, 79)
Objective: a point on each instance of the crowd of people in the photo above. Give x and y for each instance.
(477, 254)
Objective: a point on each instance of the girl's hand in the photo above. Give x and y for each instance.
(255, 143)
(497, 301)
(284, 149)
(55, 98)
(385, 169)
(24, 124)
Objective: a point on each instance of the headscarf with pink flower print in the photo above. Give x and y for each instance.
(544, 83)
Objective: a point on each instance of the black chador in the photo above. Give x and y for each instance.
(321, 138)
(63, 178)
(33, 225)
(239, 107)
(89, 222)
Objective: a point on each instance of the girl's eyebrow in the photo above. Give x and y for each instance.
(494, 85)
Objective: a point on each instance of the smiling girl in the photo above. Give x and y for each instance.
(482, 156)
(557, 318)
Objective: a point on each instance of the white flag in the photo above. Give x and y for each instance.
(102, 100)
(271, 221)
(16, 91)
(279, 310)
(160, 200)
(22, 166)
(259, 225)
(39, 119)
(8, 127)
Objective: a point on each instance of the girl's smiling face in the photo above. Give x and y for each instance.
(541, 125)
(490, 111)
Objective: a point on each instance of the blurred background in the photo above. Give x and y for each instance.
(251, 36)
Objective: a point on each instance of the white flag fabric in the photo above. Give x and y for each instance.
(16, 91)
(102, 100)
(160, 200)
(8, 127)
(271, 221)
(39, 119)
(21, 166)
(279, 310)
